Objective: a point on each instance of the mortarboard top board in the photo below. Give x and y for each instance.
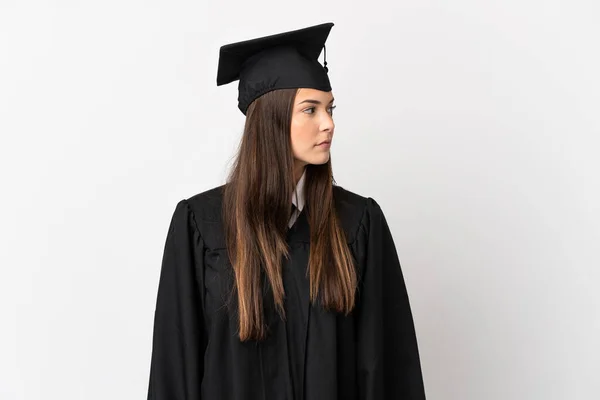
(281, 61)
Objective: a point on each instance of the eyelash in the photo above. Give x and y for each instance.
(313, 108)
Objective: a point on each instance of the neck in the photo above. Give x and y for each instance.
(298, 171)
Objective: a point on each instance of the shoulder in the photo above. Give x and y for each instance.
(206, 205)
(353, 202)
(355, 210)
(203, 212)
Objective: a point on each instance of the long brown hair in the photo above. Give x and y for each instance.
(256, 210)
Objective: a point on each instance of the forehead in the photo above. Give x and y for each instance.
(313, 94)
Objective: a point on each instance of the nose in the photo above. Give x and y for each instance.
(327, 123)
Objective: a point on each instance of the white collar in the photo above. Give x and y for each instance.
(298, 195)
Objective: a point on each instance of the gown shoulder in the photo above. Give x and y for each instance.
(352, 208)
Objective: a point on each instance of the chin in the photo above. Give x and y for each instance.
(320, 160)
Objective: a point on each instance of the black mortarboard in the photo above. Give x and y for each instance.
(282, 61)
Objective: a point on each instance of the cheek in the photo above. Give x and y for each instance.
(300, 135)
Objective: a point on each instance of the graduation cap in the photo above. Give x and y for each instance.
(281, 61)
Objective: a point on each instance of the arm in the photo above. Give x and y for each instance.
(176, 367)
(388, 358)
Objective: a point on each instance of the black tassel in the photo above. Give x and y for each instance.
(325, 60)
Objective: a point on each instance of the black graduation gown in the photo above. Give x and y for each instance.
(370, 354)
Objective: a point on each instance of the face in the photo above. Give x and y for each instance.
(312, 124)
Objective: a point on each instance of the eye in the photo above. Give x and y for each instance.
(311, 110)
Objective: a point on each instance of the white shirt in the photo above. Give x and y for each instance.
(298, 199)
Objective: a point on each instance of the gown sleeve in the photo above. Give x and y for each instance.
(176, 366)
(388, 357)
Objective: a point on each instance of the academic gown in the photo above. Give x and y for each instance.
(370, 354)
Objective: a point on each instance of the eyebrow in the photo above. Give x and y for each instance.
(314, 101)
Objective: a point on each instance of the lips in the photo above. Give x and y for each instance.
(326, 141)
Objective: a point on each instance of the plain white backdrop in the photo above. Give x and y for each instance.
(474, 124)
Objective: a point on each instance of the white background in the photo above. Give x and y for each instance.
(474, 124)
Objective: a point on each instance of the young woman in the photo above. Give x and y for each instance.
(281, 284)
